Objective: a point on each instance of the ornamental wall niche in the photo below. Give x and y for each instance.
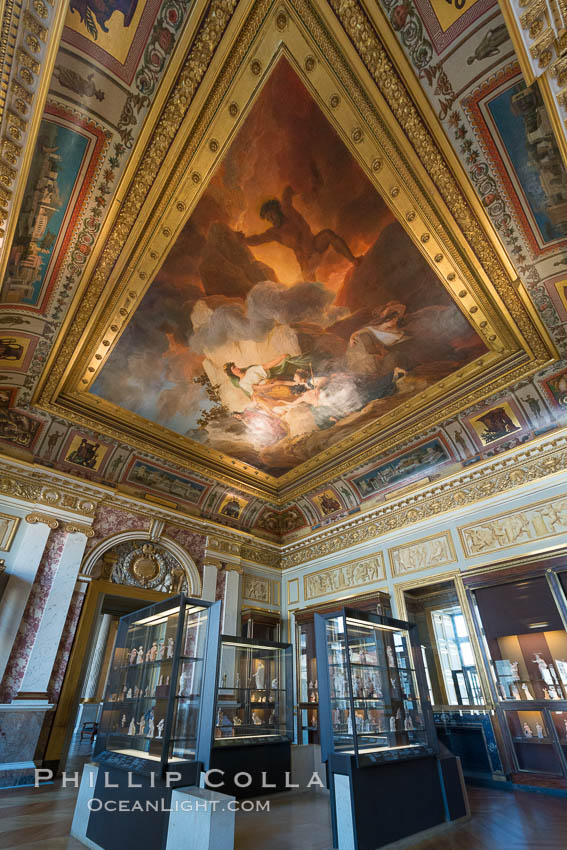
(375, 116)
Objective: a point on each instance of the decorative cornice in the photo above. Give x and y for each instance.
(79, 528)
(466, 488)
(45, 493)
(260, 555)
(43, 518)
(232, 568)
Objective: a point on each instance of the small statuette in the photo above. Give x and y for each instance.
(132, 727)
(256, 719)
(160, 726)
(141, 724)
(539, 730)
(133, 655)
(224, 677)
(148, 655)
(183, 682)
(408, 723)
(390, 654)
(151, 727)
(140, 658)
(129, 693)
(170, 647)
(123, 721)
(527, 692)
(259, 676)
(160, 650)
(153, 651)
(527, 731)
(392, 724)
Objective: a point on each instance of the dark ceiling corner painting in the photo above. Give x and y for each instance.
(293, 308)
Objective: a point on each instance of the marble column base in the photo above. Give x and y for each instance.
(20, 730)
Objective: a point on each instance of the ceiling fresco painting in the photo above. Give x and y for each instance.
(293, 307)
(291, 267)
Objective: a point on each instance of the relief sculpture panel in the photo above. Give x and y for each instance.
(353, 574)
(534, 522)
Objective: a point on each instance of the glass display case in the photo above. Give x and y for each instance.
(158, 703)
(306, 660)
(533, 741)
(253, 693)
(525, 638)
(372, 694)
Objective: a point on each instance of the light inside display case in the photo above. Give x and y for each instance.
(532, 739)
(152, 705)
(526, 640)
(375, 706)
(253, 704)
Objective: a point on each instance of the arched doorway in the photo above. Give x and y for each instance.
(123, 573)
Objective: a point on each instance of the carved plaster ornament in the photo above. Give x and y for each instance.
(145, 567)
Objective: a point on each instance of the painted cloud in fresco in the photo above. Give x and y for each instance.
(293, 308)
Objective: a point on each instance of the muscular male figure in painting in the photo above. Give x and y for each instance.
(289, 228)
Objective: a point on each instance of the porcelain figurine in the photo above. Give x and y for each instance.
(390, 654)
(275, 683)
(392, 724)
(259, 676)
(160, 650)
(140, 657)
(129, 693)
(133, 655)
(527, 731)
(148, 654)
(256, 719)
(237, 721)
(408, 723)
(123, 721)
(132, 727)
(183, 683)
(527, 691)
(539, 730)
(515, 691)
(310, 686)
(543, 667)
(170, 647)
(153, 651)
(160, 726)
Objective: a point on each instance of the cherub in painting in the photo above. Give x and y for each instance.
(289, 228)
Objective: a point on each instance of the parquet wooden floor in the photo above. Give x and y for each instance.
(40, 819)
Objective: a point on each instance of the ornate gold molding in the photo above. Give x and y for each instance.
(260, 555)
(42, 518)
(466, 488)
(232, 568)
(414, 176)
(29, 41)
(79, 528)
(44, 493)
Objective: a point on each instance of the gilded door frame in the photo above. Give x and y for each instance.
(61, 732)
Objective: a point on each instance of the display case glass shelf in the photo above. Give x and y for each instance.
(526, 640)
(253, 693)
(372, 697)
(161, 679)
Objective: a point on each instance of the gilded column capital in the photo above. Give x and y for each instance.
(44, 518)
(236, 568)
(79, 528)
